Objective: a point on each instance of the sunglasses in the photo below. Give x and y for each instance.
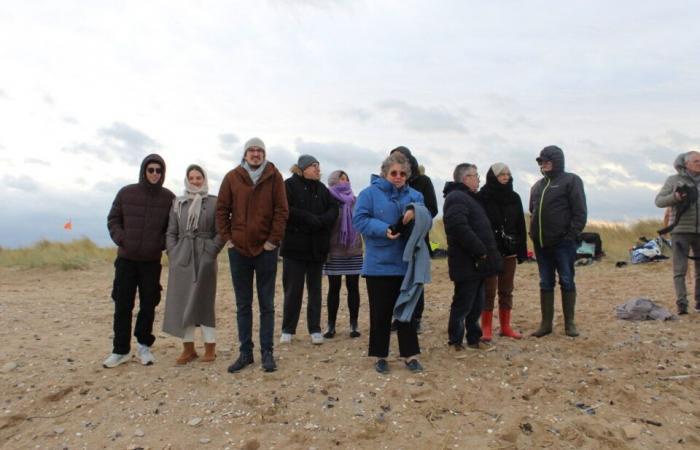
(157, 170)
(396, 173)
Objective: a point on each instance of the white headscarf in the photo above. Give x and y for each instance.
(194, 195)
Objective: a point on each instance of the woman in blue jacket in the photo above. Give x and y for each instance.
(382, 213)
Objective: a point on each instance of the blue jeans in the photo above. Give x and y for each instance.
(467, 303)
(264, 266)
(559, 258)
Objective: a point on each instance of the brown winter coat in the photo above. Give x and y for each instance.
(139, 216)
(247, 214)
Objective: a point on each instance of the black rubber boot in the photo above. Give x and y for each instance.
(547, 308)
(568, 303)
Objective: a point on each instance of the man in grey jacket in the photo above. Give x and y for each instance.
(686, 217)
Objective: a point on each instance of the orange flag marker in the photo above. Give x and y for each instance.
(68, 225)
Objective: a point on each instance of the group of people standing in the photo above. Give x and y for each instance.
(381, 234)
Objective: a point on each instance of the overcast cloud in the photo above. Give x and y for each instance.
(87, 89)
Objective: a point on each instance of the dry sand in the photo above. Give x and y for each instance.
(619, 385)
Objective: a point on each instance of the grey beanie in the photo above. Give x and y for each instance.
(253, 142)
(305, 161)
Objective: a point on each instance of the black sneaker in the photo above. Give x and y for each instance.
(682, 309)
(244, 359)
(414, 366)
(381, 366)
(268, 362)
(330, 334)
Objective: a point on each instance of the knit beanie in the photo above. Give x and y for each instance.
(498, 168)
(305, 161)
(253, 142)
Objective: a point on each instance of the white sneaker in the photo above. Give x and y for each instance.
(115, 359)
(316, 338)
(145, 354)
(286, 338)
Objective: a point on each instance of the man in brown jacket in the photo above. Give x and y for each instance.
(251, 215)
(137, 223)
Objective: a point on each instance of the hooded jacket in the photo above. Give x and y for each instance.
(379, 206)
(312, 213)
(557, 203)
(249, 214)
(138, 219)
(469, 236)
(689, 221)
(505, 212)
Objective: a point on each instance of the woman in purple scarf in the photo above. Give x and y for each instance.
(345, 256)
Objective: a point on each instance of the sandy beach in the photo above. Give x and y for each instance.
(619, 385)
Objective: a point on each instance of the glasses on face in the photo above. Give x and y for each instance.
(255, 150)
(396, 173)
(475, 175)
(157, 170)
(543, 162)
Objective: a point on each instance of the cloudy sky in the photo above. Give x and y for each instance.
(87, 89)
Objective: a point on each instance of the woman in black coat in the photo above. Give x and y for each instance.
(505, 212)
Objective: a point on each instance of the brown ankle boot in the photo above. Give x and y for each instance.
(188, 353)
(209, 352)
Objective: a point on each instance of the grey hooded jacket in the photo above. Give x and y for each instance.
(689, 222)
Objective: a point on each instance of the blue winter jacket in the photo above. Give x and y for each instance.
(378, 206)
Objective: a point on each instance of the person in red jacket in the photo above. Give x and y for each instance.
(137, 223)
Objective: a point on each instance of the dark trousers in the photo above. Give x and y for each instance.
(294, 274)
(129, 276)
(352, 284)
(264, 268)
(467, 303)
(559, 258)
(383, 293)
(501, 284)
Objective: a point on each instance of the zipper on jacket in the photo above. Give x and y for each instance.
(539, 212)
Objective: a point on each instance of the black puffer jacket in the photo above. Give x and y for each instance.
(312, 213)
(138, 219)
(469, 236)
(557, 203)
(505, 212)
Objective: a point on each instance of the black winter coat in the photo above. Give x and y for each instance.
(469, 236)
(557, 203)
(312, 213)
(138, 219)
(505, 212)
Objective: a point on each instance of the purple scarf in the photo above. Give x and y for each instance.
(343, 193)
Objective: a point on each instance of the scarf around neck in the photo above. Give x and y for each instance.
(343, 193)
(194, 195)
(255, 174)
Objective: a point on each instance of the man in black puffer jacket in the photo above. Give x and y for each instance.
(137, 223)
(557, 217)
(305, 247)
(472, 254)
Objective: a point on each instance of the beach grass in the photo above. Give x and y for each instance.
(618, 238)
(75, 255)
